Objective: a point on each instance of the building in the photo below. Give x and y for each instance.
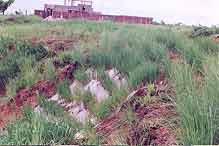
(83, 9)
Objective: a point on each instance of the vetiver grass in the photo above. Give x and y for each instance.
(139, 52)
(33, 129)
(197, 106)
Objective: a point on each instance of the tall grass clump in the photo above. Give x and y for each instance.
(64, 90)
(51, 107)
(103, 109)
(146, 72)
(207, 45)
(195, 106)
(12, 64)
(32, 129)
(27, 77)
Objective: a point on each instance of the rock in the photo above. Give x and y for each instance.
(38, 109)
(55, 97)
(76, 88)
(97, 90)
(80, 135)
(93, 120)
(117, 78)
(79, 113)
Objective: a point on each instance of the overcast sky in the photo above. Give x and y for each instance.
(203, 12)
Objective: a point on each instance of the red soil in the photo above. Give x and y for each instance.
(67, 72)
(152, 114)
(24, 97)
(2, 91)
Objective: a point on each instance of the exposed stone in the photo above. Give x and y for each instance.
(79, 113)
(97, 90)
(117, 78)
(76, 88)
(55, 97)
(80, 135)
(38, 109)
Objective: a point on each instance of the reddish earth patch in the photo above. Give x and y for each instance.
(155, 132)
(174, 54)
(162, 136)
(153, 115)
(55, 44)
(46, 88)
(28, 96)
(13, 109)
(108, 125)
(24, 97)
(67, 72)
(2, 91)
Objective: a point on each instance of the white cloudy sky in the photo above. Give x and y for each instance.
(171, 11)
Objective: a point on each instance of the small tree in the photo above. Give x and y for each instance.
(4, 5)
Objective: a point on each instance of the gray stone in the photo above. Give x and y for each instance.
(117, 78)
(97, 90)
(76, 88)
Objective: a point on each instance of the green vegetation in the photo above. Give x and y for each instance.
(51, 107)
(14, 58)
(143, 72)
(141, 53)
(80, 75)
(33, 129)
(64, 90)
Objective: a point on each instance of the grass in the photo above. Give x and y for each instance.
(103, 109)
(143, 73)
(198, 127)
(28, 76)
(107, 83)
(64, 90)
(80, 75)
(51, 107)
(33, 129)
(18, 62)
(138, 52)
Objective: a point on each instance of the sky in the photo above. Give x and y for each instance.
(204, 12)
